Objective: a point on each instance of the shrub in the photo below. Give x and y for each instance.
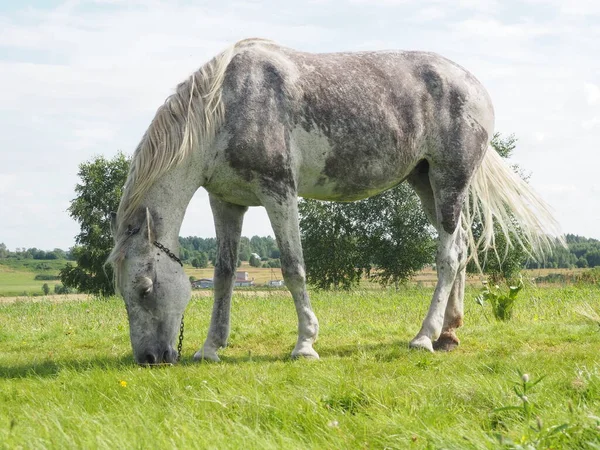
(502, 303)
(41, 276)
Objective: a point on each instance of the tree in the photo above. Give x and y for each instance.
(331, 254)
(46, 288)
(387, 237)
(254, 261)
(396, 234)
(98, 193)
(200, 261)
(244, 249)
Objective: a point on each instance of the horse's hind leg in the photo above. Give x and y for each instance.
(284, 220)
(453, 316)
(228, 228)
(442, 192)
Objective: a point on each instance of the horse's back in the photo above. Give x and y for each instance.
(349, 124)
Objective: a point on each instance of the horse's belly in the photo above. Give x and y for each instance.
(358, 173)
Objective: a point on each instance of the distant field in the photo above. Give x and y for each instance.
(17, 277)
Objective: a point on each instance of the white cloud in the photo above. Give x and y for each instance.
(592, 123)
(428, 14)
(592, 93)
(487, 27)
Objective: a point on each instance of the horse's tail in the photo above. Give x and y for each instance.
(498, 195)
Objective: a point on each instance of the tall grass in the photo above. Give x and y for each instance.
(67, 379)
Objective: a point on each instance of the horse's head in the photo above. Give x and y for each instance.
(154, 286)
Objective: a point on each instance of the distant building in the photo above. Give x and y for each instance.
(244, 283)
(203, 283)
(275, 283)
(241, 276)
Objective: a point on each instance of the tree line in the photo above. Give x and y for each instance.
(258, 251)
(34, 253)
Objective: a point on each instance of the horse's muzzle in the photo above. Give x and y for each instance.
(166, 355)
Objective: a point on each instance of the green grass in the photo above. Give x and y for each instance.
(62, 365)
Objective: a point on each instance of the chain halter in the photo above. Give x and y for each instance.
(174, 257)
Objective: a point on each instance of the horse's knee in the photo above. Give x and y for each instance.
(294, 275)
(448, 261)
(224, 269)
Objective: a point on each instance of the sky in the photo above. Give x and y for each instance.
(79, 79)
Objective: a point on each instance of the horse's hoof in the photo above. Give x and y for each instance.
(421, 343)
(446, 342)
(305, 352)
(206, 355)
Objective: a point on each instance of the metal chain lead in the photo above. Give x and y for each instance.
(180, 343)
(174, 257)
(168, 252)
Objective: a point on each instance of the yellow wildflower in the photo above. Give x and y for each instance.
(123, 383)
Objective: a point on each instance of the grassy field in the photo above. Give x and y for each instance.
(18, 282)
(67, 379)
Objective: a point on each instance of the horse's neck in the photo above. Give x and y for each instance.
(168, 200)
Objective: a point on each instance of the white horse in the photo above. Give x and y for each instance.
(262, 124)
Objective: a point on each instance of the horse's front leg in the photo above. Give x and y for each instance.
(228, 228)
(284, 220)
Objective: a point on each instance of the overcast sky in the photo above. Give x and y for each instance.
(84, 78)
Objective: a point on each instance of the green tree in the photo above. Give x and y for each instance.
(329, 242)
(46, 288)
(386, 237)
(98, 193)
(200, 261)
(244, 250)
(396, 235)
(254, 261)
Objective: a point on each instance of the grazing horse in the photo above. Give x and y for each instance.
(261, 124)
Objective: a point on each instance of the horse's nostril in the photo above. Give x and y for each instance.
(150, 358)
(166, 356)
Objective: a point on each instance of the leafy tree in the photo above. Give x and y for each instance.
(254, 261)
(582, 262)
(200, 261)
(98, 193)
(46, 288)
(331, 253)
(386, 237)
(3, 250)
(273, 264)
(244, 250)
(396, 235)
(593, 258)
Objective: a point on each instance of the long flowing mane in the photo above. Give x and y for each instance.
(187, 121)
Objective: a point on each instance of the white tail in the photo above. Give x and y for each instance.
(499, 195)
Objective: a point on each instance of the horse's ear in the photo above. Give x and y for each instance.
(149, 227)
(113, 223)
